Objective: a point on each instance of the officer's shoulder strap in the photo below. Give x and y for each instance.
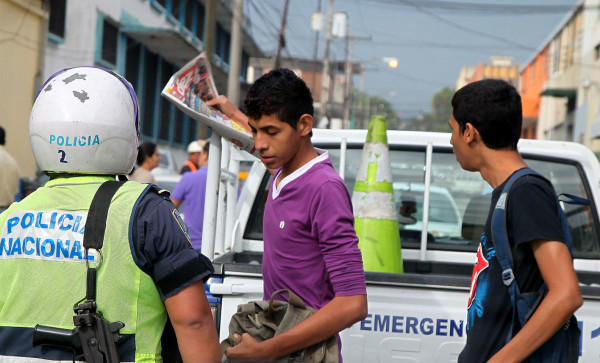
(96, 220)
(95, 227)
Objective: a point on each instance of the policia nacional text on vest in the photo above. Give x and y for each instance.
(50, 227)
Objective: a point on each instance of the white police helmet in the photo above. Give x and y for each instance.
(85, 120)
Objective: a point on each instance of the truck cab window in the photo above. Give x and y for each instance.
(459, 201)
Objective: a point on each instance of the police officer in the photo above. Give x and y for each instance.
(84, 130)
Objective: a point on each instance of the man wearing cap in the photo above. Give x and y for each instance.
(195, 148)
(191, 189)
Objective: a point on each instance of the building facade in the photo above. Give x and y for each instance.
(533, 76)
(311, 73)
(22, 25)
(501, 67)
(570, 103)
(146, 41)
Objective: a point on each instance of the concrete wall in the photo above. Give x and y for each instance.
(81, 33)
(21, 41)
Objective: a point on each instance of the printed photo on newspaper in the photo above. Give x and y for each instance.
(190, 88)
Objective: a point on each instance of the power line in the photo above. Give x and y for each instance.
(467, 29)
(266, 21)
(269, 21)
(292, 28)
(413, 78)
(459, 47)
(483, 8)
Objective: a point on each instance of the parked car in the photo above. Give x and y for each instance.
(444, 217)
(168, 182)
(167, 163)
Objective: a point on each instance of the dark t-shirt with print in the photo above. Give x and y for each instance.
(532, 213)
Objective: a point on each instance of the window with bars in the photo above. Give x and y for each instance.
(199, 31)
(110, 33)
(57, 20)
(148, 72)
(222, 43)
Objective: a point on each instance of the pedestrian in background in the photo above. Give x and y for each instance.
(486, 126)
(194, 149)
(9, 174)
(191, 189)
(147, 267)
(147, 159)
(310, 245)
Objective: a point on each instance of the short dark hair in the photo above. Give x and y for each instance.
(2, 136)
(493, 107)
(282, 93)
(146, 148)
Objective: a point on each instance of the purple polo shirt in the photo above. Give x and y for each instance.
(311, 246)
(191, 189)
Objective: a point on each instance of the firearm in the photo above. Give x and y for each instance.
(93, 336)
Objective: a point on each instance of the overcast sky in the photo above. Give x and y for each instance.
(432, 39)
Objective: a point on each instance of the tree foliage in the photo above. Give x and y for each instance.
(435, 120)
(441, 109)
(375, 106)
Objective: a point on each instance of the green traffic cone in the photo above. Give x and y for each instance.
(373, 201)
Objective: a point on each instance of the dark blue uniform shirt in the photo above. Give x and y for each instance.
(161, 247)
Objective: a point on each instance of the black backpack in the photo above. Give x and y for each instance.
(563, 346)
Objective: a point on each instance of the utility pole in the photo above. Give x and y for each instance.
(325, 77)
(210, 23)
(348, 78)
(348, 82)
(281, 35)
(235, 51)
(361, 103)
(315, 53)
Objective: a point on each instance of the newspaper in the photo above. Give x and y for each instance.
(190, 88)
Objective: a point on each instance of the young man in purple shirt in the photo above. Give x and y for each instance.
(310, 245)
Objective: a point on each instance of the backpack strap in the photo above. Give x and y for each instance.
(500, 232)
(503, 251)
(500, 237)
(95, 227)
(573, 199)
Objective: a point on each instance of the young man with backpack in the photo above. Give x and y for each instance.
(486, 126)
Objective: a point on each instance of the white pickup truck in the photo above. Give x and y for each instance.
(419, 316)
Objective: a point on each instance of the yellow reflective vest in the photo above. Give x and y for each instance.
(43, 269)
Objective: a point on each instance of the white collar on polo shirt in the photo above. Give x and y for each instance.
(323, 155)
